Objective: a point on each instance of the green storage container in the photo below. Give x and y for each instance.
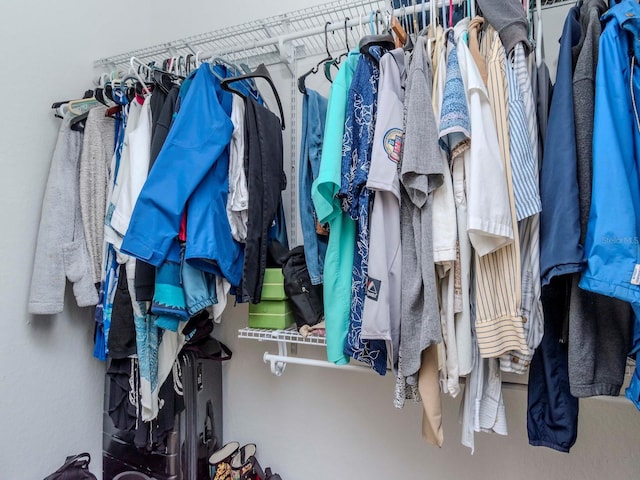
(274, 314)
(273, 286)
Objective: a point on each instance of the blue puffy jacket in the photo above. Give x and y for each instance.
(612, 243)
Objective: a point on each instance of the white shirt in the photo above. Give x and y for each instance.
(238, 199)
(134, 171)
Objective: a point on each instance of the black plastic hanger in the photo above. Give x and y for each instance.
(260, 72)
(384, 40)
(302, 78)
(336, 61)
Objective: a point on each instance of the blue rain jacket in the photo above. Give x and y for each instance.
(612, 243)
(194, 156)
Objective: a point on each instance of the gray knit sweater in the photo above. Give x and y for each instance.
(97, 150)
(61, 251)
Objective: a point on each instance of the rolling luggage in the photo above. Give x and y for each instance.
(197, 431)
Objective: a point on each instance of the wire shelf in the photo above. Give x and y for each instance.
(238, 43)
(290, 335)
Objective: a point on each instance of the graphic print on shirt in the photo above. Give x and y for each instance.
(373, 289)
(392, 143)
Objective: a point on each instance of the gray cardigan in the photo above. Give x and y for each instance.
(61, 251)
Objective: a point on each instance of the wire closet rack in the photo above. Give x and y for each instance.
(281, 38)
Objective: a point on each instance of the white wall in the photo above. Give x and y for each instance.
(310, 424)
(50, 386)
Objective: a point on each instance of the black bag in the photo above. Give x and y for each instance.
(306, 299)
(75, 467)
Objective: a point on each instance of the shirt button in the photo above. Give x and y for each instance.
(515, 359)
(524, 319)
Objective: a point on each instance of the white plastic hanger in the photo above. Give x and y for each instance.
(134, 71)
(538, 39)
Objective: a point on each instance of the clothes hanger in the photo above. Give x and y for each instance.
(399, 32)
(235, 71)
(302, 78)
(408, 45)
(260, 72)
(61, 108)
(384, 40)
(538, 39)
(143, 84)
(336, 61)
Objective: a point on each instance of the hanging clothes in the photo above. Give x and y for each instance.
(238, 199)
(97, 150)
(381, 314)
(552, 412)
(499, 323)
(523, 143)
(355, 198)
(197, 140)
(61, 249)
(266, 179)
(162, 117)
(420, 174)
(482, 407)
(600, 327)
(314, 113)
(612, 231)
(459, 143)
(452, 118)
(338, 262)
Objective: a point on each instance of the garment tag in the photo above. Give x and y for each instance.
(635, 279)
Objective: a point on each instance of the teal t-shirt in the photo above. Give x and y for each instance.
(338, 262)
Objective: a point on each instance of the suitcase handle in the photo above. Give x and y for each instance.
(201, 351)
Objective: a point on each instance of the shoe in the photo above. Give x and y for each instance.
(220, 461)
(241, 457)
(251, 470)
(224, 453)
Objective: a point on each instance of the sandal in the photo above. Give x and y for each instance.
(242, 456)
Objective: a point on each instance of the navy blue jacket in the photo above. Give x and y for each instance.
(560, 249)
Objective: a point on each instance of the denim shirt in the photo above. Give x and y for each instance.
(355, 197)
(314, 112)
(612, 244)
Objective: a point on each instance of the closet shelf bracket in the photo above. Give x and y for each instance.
(291, 338)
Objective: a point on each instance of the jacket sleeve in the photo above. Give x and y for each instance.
(201, 132)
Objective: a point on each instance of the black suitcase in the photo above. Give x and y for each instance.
(197, 431)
